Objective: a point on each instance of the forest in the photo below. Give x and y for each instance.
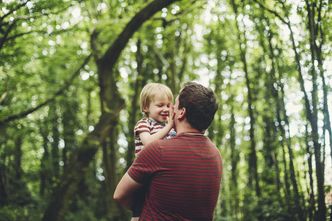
(70, 76)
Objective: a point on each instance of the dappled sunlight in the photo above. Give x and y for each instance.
(71, 76)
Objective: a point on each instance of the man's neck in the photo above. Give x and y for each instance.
(184, 128)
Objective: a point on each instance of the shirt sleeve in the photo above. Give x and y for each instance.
(141, 126)
(146, 164)
(171, 134)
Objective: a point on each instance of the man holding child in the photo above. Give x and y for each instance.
(182, 175)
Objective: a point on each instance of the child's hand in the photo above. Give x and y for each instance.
(170, 119)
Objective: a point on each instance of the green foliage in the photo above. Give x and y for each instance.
(270, 209)
(19, 213)
(190, 40)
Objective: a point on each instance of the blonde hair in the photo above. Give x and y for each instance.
(150, 91)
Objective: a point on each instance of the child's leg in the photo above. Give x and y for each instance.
(138, 204)
(137, 209)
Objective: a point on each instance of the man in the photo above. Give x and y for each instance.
(182, 175)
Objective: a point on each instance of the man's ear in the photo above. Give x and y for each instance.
(182, 113)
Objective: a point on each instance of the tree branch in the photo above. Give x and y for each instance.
(13, 37)
(4, 38)
(60, 91)
(14, 9)
(11, 24)
(272, 12)
(135, 23)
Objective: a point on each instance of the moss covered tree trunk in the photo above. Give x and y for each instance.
(112, 104)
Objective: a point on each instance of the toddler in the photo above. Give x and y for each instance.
(157, 123)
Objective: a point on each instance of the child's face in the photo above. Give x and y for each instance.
(159, 108)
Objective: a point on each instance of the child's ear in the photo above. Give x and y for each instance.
(145, 109)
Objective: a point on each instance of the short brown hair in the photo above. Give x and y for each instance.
(200, 103)
(150, 91)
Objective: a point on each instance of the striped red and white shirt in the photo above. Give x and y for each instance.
(183, 177)
(151, 126)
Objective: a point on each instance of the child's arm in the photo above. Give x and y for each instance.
(147, 138)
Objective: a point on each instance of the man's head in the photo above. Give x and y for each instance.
(199, 104)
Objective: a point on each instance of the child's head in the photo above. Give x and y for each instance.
(155, 99)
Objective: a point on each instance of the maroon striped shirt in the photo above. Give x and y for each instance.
(183, 175)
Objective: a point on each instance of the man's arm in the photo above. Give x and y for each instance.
(125, 190)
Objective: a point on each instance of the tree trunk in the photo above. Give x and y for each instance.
(109, 163)
(172, 68)
(55, 153)
(116, 211)
(287, 137)
(3, 191)
(70, 124)
(281, 111)
(315, 29)
(218, 85)
(45, 178)
(234, 162)
(134, 105)
(311, 208)
(311, 115)
(18, 158)
(269, 138)
(113, 104)
(253, 179)
(180, 74)
(275, 101)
